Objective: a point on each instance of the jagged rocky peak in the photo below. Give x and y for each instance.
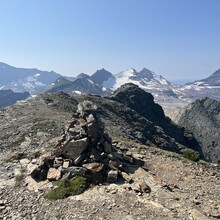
(213, 80)
(139, 100)
(61, 80)
(83, 75)
(146, 73)
(102, 75)
(85, 148)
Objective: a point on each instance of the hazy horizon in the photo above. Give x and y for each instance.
(176, 39)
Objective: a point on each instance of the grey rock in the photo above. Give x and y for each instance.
(90, 118)
(112, 176)
(92, 130)
(75, 148)
(96, 171)
(78, 171)
(202, 118)
(107, 147)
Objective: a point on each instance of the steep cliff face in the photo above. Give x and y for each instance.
(203, 119)
(143, 103)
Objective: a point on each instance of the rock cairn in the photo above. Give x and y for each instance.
(85, 149)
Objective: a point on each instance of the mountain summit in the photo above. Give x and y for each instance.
(101, 76)
(23, 79)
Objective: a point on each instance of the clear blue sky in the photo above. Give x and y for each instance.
(179, 39)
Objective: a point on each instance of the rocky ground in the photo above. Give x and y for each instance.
(163, 186)
(179, 190)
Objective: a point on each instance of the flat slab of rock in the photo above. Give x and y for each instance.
(34, 185)
(95, 167)
(75, 148)
(53, 174)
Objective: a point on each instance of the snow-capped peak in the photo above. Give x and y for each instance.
(146, 79)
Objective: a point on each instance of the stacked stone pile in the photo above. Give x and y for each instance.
(85, 150)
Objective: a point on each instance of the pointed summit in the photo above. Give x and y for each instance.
(100, 76)
(83, 75)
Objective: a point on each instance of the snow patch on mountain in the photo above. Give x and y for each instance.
(124, 77)
(37, 74)
(109, 83)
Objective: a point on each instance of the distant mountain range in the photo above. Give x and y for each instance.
(208, 87)
(8, 97)
(22, 79)
(103, 83)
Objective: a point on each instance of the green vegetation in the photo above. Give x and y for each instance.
(191, 155)
(67, 188)
(43, 126)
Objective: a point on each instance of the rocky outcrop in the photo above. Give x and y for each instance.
(85, 149)
(203, 119)
(173, 187)
(143, 103)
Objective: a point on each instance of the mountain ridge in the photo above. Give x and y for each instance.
(25, 79)
(103, 82)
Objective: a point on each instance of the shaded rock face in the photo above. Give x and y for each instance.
(203, 119)
(8, 97)
(139, 100)
(143, 103)
(85, 149)
(83, 83)
(100, 76)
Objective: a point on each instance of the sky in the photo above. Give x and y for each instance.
(179, 39)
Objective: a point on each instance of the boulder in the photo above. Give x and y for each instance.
(92, 130)
(66, 164)
(95, 155)
(76, 171)
(53, 174)
(112, 176)
(75, 148)
(126, 177)
(90, 118)
(24, 162)
(107, 147)
(96, 171)
(31, 168)
(35, 185)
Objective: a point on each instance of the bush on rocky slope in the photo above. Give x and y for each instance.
(191, 155)
(67, 188)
